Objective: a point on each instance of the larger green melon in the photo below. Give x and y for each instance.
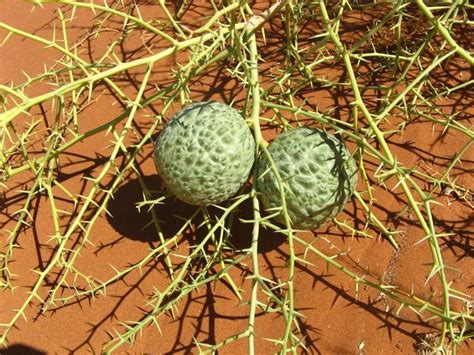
(318, 173)
(204, 153)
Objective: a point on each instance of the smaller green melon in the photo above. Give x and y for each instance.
(205, 153)
(319, 174)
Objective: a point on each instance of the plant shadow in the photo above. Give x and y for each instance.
(21, 349)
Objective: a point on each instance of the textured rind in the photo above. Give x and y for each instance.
(318, 171)
(205, 153)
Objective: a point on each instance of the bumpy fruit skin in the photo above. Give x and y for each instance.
(319, 173)
(205, 153)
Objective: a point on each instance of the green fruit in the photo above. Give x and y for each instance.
(318, 172)
(204, 153)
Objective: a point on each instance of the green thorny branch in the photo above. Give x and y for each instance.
(233, 32)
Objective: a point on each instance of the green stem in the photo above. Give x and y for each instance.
(444, 32)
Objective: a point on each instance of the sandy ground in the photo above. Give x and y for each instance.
(337, 321)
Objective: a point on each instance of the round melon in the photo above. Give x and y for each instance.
(205, 153)
(318, 173)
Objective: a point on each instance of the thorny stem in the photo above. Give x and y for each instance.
(232, 32)
(444, 32)
(438, 260)
(175, 283)
(255, 90)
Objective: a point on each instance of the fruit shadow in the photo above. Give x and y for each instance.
(242, 228)
(136, 224)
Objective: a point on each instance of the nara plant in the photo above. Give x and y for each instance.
(234, 36)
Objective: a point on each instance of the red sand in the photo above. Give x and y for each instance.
(336, 320)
